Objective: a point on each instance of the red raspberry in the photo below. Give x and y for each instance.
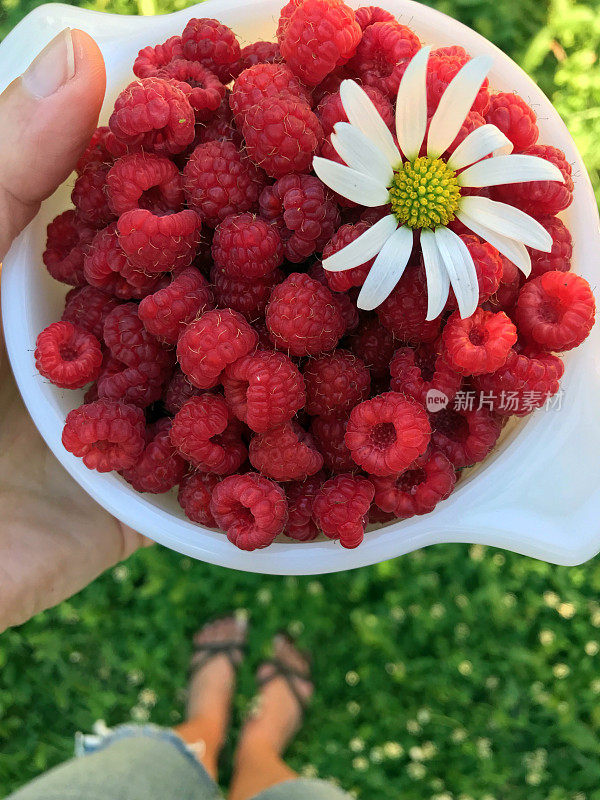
(195, 493)
(67, 243)
(159, 244)
(140, 386)
(160, 467)
(107, 436)
(559, 258)
(384, 48)
(206, 435)
(303, 318)
(418, 490)
(304, 211)
(556, 311)
(464, 437)
(441, 69)
(285, 453)
(219, 180)
(300, 496)
(329, 435)
(478, 344)
(418, 371)
(404, 311)
(248, 297)
(262, 81)
(342, 281)
(247, 247)
(166, 312)
(488, 266)
(177, 391)
(154, 115)
(330, 110)
(128, 340)
(524, 383)
(103, 147)
(507, 293)
(87, 307)
(67, 356)
(335, 383)
(541, 198)
(258, 53)
(106, 267)
(202, 88)
(282, 135)
(341, 508)
(387, 433)
(151, 59)
(212, 342)
(89, 195)
(213, 44)
(369, 15)
(316, 36)
(264, 389)
(250, 509)
(143, 180)
(375, 345)
(511, 114)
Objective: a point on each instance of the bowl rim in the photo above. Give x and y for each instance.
(519, 507)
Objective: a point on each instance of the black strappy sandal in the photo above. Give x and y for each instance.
(289, 674)
(205, 651)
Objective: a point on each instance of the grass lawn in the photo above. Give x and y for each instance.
(456, 673)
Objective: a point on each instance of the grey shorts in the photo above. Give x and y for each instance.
(148, 763)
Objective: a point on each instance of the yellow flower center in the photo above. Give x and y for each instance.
(424, 193)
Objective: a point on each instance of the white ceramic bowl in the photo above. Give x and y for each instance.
(538, 494)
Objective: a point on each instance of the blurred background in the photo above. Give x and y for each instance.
(456, 673)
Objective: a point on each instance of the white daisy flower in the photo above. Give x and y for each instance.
(425, 193)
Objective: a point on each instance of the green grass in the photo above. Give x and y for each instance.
(450, 674)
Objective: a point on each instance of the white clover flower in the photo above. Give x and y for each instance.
(424, 194)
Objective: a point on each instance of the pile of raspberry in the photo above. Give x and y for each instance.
(218, 356)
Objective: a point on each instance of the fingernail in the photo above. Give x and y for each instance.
(52, 68)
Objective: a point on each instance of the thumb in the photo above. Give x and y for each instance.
(48, 116)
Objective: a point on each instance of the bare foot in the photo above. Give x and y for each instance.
(212, 683)
(278, 714)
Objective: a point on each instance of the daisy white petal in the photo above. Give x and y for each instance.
(360, 153)
(387, 269)
(461, 270)
(411, 105)
(507, 221)
(364, 247)
(478, 144)
(362, 113)
(514, 168)
(513, 250)
(438, 283)
(350, 183)
(455, 104)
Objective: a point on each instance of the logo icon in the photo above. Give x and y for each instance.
(435, 401)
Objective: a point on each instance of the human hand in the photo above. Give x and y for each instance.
(54, 539)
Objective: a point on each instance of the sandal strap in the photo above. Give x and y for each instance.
(290, 675)
(212, 649)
